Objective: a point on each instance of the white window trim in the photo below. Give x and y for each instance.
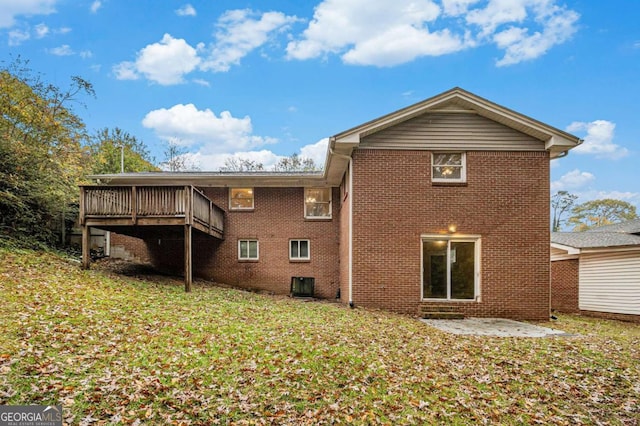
(463, 171)
(298, 240)
(257, 249)
(253, 199)
(329, 216)
(455, 238)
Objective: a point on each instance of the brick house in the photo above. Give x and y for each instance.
(440, 205)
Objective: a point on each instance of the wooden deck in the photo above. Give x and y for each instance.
(124, 207)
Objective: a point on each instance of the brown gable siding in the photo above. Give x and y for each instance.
(505, 201)
(452, 130)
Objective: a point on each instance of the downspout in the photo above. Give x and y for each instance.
(350, 169)
(350, 233)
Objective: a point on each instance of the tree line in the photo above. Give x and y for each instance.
(588, 215)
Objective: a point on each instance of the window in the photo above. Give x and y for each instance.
(448, 167)
(317, 203)
(450, 268)
(299, 250)
(241, 199)
(248, 250)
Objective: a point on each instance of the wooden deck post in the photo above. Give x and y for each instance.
(188, 273)
(86, 246)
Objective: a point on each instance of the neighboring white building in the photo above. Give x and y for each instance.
(608, 272)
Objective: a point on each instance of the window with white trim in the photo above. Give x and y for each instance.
(450, 267)
(299, 250)
(448, 167)
(248, 250)
(317, 203)
(241, 199)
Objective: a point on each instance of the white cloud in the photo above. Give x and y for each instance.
(352, 29)
(392, 32)
(17, 36)
(520, 46)
(126, 71)
(240, 32)
(64, 50)
(316, 151)
(457, 7)
(41, 30)
(598, 140)
(201, 82)
(10, 9)
(186, 10)
(97, 4)
(212, 134)
(86, 54)
(165, 62)
(573, 180)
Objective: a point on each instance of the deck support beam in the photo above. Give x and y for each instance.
(188, 271)
(86, 247)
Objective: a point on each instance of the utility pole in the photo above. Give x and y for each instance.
(121, 158)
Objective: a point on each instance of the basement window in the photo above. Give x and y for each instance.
(248, 250)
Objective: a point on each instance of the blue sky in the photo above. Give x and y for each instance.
(265, 79)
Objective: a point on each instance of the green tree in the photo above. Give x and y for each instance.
(561, 202)
(601, 212)
(41, 151)
(295, 163)
(114, 149)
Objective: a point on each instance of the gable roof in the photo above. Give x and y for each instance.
(341, 146)
(625, 234)
(628, 227)
(586, 240)
(556, 141)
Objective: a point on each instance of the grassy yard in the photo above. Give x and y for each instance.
(120, 350)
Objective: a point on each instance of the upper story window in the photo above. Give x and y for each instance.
(448, 167)
(317, 203)
(241, 199)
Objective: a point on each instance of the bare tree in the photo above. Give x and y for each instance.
(177, 159)
(295, 163)
(561, 202)
(234, 164)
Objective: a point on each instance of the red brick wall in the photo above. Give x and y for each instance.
(564, 285)
(505, 201)
(278, 217)
(129, 248)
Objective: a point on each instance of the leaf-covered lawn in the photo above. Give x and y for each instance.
(119, 350)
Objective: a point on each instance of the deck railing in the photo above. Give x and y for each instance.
(139, 202)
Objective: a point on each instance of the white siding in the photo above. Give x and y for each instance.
(610, 282)
(445, 131)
